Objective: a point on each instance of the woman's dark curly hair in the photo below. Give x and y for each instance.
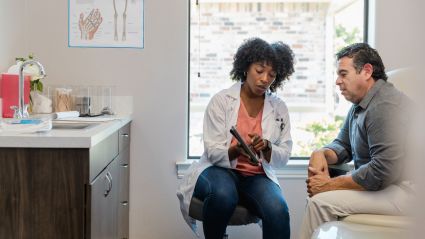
(278, 55)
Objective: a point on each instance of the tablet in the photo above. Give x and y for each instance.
(252, 157)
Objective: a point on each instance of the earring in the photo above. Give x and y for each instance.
(244, 74)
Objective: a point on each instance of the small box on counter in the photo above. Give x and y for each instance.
(10, 93)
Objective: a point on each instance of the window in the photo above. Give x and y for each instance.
(314, 29)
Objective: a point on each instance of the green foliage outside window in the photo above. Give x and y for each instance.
(324, 133)
(347, 37)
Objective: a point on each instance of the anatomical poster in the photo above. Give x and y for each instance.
(105, 23)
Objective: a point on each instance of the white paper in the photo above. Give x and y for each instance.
(67, 114)
(112, 23)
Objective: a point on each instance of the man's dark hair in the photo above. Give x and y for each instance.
(362, 54)
(278, 55)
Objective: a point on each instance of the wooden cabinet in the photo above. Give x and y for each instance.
(66, 193)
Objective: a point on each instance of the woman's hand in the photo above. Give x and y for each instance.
(257, 142)
(260, 145)
(235, 151)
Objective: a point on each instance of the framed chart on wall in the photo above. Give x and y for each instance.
(110, 23)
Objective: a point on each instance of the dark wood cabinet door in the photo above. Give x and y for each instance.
(42, 193)
(66, 193)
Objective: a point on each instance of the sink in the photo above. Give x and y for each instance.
(63, 125)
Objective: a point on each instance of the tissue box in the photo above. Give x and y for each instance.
(10, 92)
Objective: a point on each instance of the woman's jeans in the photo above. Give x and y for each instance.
(222, 189)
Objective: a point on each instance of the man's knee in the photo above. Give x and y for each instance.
(318, 201)
(328, 205)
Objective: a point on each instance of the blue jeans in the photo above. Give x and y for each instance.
(222, 189)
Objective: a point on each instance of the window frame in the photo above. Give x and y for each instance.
(365, 39)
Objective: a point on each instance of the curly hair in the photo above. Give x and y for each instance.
(363, 54)
(278, 55)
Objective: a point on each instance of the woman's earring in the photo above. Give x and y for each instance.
(244, 74)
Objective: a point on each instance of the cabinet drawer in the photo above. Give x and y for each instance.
(123, 220)
(124, 157)
(124, 137)
(123, 194)
(124, 176)
(102, 154)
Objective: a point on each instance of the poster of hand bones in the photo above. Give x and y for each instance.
(105, 23)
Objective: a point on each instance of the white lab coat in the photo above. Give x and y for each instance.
(221, 114)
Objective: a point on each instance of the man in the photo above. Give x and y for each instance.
(373, 136)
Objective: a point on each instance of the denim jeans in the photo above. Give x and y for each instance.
(223, 189)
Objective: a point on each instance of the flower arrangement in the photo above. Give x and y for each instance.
(38, 102)
(36, 84)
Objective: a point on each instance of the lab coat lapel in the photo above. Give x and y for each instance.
(233, 108)
(267, 119)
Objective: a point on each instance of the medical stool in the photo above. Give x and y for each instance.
(241, 215)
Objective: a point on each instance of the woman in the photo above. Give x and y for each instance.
(224, 176)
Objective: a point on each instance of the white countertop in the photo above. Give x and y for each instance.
(64, 138)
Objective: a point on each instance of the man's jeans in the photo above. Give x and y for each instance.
(222, 189)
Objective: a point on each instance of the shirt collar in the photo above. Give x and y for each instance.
(371, 93)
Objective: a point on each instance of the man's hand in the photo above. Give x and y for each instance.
(321, 182)
(318, 182)
(318, 162)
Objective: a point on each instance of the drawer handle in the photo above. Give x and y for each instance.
(125, 203)
(124, 165)
(109, 178)
(125, 135)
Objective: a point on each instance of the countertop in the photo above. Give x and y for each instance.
(64, 138)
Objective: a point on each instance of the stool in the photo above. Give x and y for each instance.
(241, 215)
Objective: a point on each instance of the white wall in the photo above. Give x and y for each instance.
(12, 32)
(155, 76)
(157, 79)
(400, 32)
